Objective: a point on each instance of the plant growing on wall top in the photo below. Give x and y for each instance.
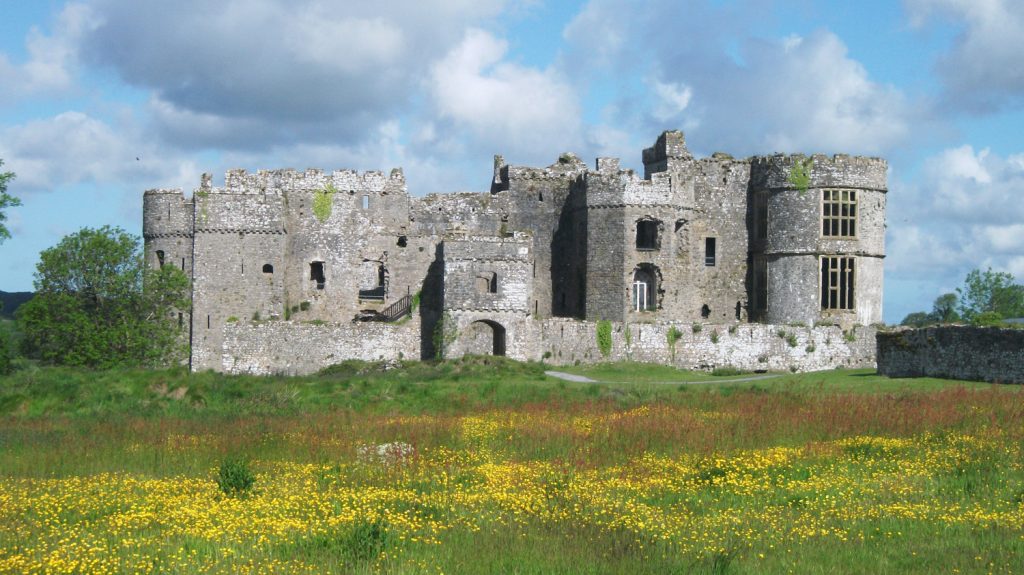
(800, 174)
(322, 202)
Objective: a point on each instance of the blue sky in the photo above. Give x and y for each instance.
(102, 99)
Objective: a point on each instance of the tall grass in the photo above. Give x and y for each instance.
(501, 470)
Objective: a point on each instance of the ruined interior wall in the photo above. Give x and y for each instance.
(954, 352)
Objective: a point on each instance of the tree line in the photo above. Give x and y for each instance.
(986, 298)
(97, 303)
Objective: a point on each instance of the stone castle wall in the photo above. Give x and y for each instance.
(564, 243)
(955, 352)
(290, 347)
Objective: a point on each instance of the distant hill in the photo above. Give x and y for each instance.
(12, 300)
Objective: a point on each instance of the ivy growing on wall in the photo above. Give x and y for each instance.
(322, 202)
(446, 331)
(604, 337)
(800, 174)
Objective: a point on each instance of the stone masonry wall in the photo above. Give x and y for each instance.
(295, 348)
(751, 347)
(955, 352)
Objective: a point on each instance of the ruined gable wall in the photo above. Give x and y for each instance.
(955, 352)
(720, 191)
(539, 203)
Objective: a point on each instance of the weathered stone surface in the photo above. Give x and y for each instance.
(562, 246)
(955, 352)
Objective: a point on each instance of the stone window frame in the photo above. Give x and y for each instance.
(160, 255)
(838, 213)
(838, 282)
(710, 251)
(486, 282)
(650, 283)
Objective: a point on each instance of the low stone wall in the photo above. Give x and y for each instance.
(954, 352)
(749, 347)
(296, 348)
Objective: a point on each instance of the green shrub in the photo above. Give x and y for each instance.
(714, 336)
(604, 337)
(304, 306)
(235, 476)
(791, 339)
(696, 327)
(726, 370)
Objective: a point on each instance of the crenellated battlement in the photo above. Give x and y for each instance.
(840, 170)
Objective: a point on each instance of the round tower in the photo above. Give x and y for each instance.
(818, 239)
(167, 228)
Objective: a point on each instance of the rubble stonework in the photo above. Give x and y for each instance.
(953, 352)
(283, 263)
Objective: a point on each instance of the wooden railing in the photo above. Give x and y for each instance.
(395, 311)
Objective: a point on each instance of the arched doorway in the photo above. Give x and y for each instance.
(485, 337)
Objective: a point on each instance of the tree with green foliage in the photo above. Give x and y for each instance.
(98, 305)
(6, 201)
(918, 319)
(944, 308)
(991, 293)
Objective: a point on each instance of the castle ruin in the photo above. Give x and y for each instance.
(770, 262)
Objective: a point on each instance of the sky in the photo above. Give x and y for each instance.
(103, 99)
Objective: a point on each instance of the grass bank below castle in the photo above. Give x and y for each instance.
(485, 465)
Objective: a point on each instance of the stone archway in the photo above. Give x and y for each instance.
(484, 337)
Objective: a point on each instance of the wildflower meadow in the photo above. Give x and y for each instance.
(845, 474)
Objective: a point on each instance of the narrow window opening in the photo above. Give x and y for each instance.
(647, 235)
(540, 196)
(679, 225)
(837, 283)
(182, 264)
(243, 268)
(705, 311)
(709, 252)
(366, 202)
(316, 273)
(761, 215)
(268, 269)
(760, 287)
(739, 311)
(403, 241)
(207, 322)
(160, 257)
(181, 320)
(535, 307)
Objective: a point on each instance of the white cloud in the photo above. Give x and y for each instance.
(52, 59)
(963, 213)
(672, 98)
(711, 73)
(257, 74)
(524, 110)
(983, 70)
(73, 148)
